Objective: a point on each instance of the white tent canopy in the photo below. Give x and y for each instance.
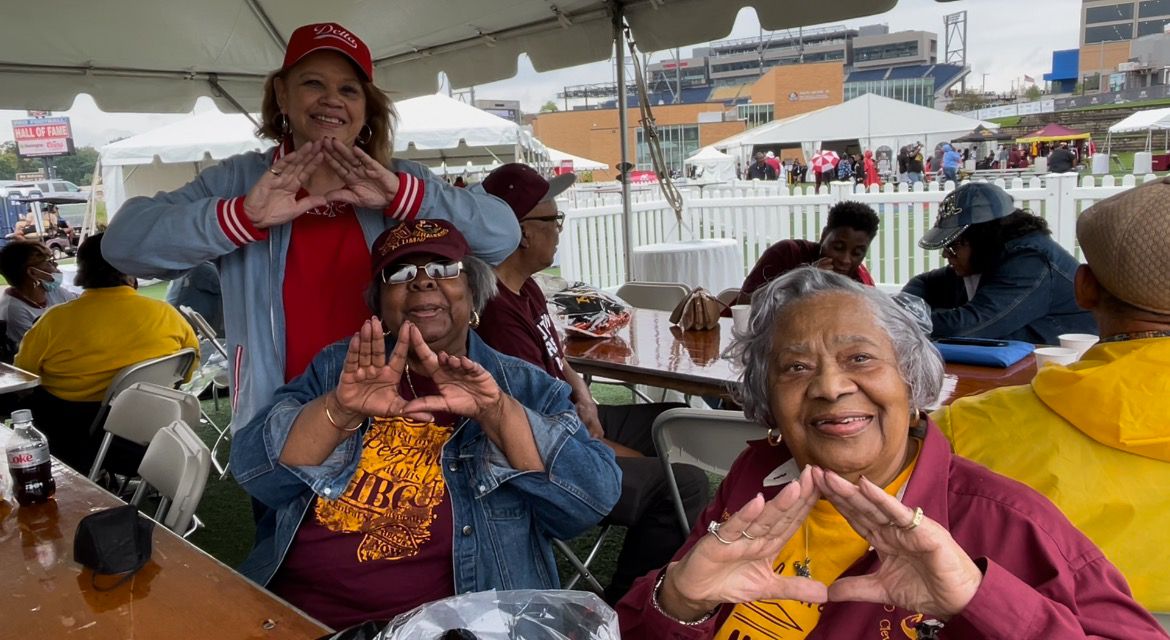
(161, 55)
(1143, 121)
(431, 129)
(874, 121)
(556, 157)
(716, 165)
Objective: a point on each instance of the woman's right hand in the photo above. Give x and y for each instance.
(368, 385)
(713, 573)
(273, 199)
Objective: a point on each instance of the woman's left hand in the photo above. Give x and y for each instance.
(368, 184)
(465, 388)
(922, 568)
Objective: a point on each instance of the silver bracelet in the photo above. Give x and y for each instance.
(658, 607)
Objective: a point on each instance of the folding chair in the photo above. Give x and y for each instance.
(176, 465)
(582, 566)
(165, 371)
(728, 296)
(706, 438)
(211, 373)
(663, 296)
(138, 413)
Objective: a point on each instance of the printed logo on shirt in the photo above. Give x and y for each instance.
(547, 333)
(394, 492)
(329, 209)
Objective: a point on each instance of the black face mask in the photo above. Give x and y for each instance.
(113, 542)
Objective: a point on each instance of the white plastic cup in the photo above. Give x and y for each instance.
(741, 315)
(1056, 355)
(1079, 342)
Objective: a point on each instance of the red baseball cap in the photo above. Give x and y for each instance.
(522, 187)
(413, 237)
(332, 36)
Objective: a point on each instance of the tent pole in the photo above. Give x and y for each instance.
(213, 81)
(623, 137)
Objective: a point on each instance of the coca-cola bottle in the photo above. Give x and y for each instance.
(29, 462)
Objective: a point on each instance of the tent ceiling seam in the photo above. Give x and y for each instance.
(269, 27)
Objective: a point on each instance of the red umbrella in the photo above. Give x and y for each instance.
(825, 160)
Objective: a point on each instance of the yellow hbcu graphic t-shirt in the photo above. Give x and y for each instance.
(385, 545)
(832, 547)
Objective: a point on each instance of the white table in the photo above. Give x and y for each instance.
(14, 379)
(714, 264)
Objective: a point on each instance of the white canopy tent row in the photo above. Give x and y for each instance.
(869, 120)
(1147, 122)
(436, 130)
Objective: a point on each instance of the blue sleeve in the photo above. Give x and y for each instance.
(256, 448)
(488, 223)
(1009, 299)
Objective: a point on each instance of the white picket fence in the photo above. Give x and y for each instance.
(758, 214)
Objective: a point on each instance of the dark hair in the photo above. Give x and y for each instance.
(93, 272)
(14, 260)
(854, 215)
(987, 239)
(380, 116)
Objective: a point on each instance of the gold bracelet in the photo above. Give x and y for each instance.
(334, 422)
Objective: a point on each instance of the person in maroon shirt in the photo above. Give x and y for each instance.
(845, 240)
(516, 322)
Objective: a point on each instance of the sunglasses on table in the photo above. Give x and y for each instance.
(404, 273)
(559, 218)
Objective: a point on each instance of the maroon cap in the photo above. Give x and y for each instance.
(332, 36)
(414, 237)
(522, 187)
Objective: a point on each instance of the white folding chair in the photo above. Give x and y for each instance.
(165, 371)
(708, 439)
(728, 296)
(176, 464)
(138, 412)
(663, 296)
(214, 373)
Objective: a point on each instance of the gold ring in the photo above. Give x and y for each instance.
(916, 521)
(274, 172)
(713, 529)
(747, 535)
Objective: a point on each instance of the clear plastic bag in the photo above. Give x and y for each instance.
(509, 615)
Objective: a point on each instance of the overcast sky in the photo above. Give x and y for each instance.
(1006, 39)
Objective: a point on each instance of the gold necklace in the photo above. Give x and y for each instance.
(410, 384)
(804, 569)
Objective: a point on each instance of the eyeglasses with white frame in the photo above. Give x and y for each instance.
(438, 270)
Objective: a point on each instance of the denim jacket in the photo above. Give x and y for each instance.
(1028, 297)
(503, 518)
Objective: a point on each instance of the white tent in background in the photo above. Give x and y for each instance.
(435, 129)
(716, 166)
(172, 155)
(870, 120)
(1145, 122)
(557, 157)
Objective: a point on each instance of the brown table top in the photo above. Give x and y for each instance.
(650, 351)
(181, 593)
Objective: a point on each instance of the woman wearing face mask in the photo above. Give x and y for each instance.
(34, 285)
(77, 348)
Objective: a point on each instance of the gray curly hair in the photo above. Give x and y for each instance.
(919, 361)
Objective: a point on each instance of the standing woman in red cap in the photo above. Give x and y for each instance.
(290, 228)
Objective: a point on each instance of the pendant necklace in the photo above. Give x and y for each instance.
(804, 569)
(410, 383)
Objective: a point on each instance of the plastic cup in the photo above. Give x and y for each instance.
(1056, 355)
(1079, 342)
(741, 315)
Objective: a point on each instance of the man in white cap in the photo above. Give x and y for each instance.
(516, 322)
(1094, 436)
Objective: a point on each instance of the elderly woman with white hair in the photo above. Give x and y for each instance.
(853, 519)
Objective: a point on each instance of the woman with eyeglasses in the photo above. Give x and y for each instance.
(1005, 279)
(413, 462)
(34, 285)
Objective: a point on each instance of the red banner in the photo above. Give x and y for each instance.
(43, 137)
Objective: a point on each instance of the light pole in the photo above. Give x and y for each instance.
(984, 87)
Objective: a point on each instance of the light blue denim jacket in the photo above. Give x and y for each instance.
(503, 519)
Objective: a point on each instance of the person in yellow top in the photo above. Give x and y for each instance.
(1094, 436)
(79, 346)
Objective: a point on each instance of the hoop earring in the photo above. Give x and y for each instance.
(284, 125)
(474, 322)
(774, 437)
(365, 135)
